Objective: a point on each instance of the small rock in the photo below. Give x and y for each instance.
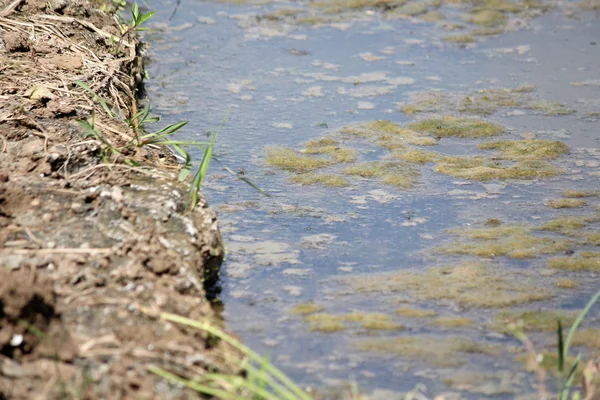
(39, 92)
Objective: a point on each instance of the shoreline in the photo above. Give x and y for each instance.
(95, 241)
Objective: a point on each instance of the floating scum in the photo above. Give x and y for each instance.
(401, 167)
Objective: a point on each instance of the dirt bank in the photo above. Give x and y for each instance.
(94, 237)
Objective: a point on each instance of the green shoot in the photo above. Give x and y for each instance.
(97, 98)
(138, 19)
(204, 164)
(566, 382)
(264, 383)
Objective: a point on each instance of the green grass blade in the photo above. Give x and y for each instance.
(578, 321)
(561, 348)
(201, 174)
(200, 145)
(301, 394)
(143, 18)
(187, 167)
(167, 130)
(246, 384)
(564, 393)
(268, 380)
(561, 357)
(96, 97)
(93, 132)
(218, 393)
(263, 371)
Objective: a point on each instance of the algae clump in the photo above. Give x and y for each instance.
(394, 174)
(538, 320)
(443, 352)
(460, 39)
(416, 156)
(550, 108)
(453, 322)
(410, 312)
(576, 263)
(566, 203)
(574, 194)
(510, 241)
(528, 149)
(330, 147)
(469, 284)
(448, 126)
(291, 160)
(481, 169)
(324, 322)
(322, 179)
(566, 225)
(487, 18)
(306, 308)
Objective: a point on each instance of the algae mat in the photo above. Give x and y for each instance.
(434, 170)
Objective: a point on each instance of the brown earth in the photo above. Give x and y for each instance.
(92, 248)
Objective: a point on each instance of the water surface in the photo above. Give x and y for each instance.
(286, 84)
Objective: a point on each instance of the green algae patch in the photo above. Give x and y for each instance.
(324, 322)
(482, 169)
(290, 160)
(550, 108)
(531, 321)
(528, 149)
(339, 154)
(576, 194)
(459, 39)
(492, 222)
(509, 241)
(372, 321)
(470, 284)
(394, 174)
(482, 102)
(338, 6)
(490, 233)
(409, 312)
(331, 180)
(566, 203)
(566, 225)
(585, 262)
(416, 156)
(306, 308)
(448, 126)
(421, 141)
(410, 9)
(433, 16)
(590, 238)
(453, 322)
(588, 337)
(566, 283)
(442, 352)
(375, 128)
(321, 142)
(548, 360)
(426, 103)
(486, 18)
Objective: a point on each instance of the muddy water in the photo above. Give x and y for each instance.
(382, 284)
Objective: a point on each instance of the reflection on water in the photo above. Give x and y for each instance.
(351, 270)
